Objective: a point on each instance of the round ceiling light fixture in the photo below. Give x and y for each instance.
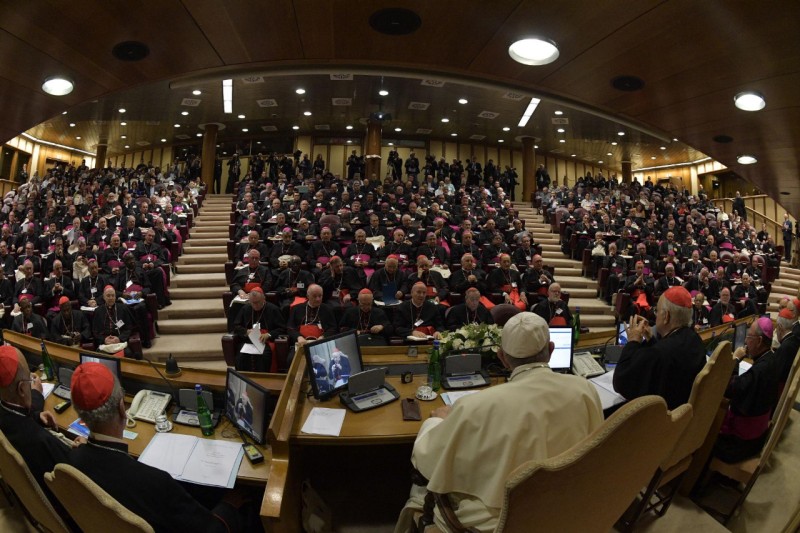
(58, 86)
(746, 159)
(130, 51)
(300, 91)
(533, 51)
(749, 101)
(348, 127)
(383, 92)
(197, 92)
(395, 21)
(463, 101)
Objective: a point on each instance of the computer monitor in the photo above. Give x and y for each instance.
(622, 334)
(561, 358)
(249, 406)
(110, 362)
(331, 361)
(740, 335)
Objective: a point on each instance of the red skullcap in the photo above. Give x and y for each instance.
(258, 289)
(679, 296)
(92, 384)
(786, 313)
(796, 303)
(364, 291)
(107, 287)
(8, 365)
(63, 300)
(393, 256)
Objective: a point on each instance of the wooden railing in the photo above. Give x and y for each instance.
(761, 210)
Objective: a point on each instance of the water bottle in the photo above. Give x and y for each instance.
(434, 367)
(576, 327)
(47, 363)
(203, 414)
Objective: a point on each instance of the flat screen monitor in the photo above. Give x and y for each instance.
(331, 361)
(622, 334)
(110, 362)
(249, 406)
(561, 358)
(740, 335)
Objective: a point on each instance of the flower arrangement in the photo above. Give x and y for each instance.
(483, 338)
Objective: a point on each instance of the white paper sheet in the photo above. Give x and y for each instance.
(744, 366)
(169, 452)
(47, 388)
(212, 463)
(605, 389)
(251, 349)
(255, 338)
(324, 421)
(449, 398)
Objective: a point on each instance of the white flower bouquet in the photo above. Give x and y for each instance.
(482, 338)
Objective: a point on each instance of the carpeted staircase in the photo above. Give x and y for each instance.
(786, 284)
(191, 328)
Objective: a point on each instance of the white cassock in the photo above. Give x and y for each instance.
(538, 414)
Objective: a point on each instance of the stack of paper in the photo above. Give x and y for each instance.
(323, 421)
(188, 458)
(605, 389)
(449, 398)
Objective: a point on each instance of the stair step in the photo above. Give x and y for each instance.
(192, 325)
(210, 249)
(204, 222)
(219, 234)
(567, 282)
(589, 305)
(193, 259)
(208, 229)
(197, 293)
(205, 241)
(201, 268)
(199, 280)
(209, 308)
(598, 321)
(578, 292)
(204, 347)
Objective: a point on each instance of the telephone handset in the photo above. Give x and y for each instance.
(147, 405)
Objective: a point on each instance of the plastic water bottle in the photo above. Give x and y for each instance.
(434, 367)
(203, 413)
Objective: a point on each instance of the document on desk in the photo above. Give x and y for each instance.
(324, 421)
(194, 460)
(449, 398)
(605, 389)
(47, 388)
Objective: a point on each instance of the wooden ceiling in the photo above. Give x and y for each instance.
(692, 56)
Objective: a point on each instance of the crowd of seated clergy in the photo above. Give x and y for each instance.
(645, 238)
(418, 242)
(72, 234)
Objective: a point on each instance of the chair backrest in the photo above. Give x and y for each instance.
(785, 407)
(588, 487)
(17, 476)
(707, 391)
(73, 489)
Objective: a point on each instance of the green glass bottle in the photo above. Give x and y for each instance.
(203, 413)
(434, 367)
(47, 363)
(576, 327)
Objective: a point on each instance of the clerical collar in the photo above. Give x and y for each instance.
(108, 442)
(524, 368)
(14, 408)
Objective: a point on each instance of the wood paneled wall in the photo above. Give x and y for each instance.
(40, 153)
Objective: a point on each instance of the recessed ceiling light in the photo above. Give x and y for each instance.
(295, 127)
(463, 101)
(163, 140)
(749, 101)
(245, 130)
(57, 86)
(652, 157)
(71, 124)
(609, 153)
(398, 129)
(349, 141)
(258, 142)
(391, 144)
(197, 92)
(445, 120)
(63, 112)
(123, 136)
(600, 162)
(500, 140)
(300, 91)
(614, 143)
(383, 92)
(454, 135)
(573, 155)
(122, 109)
(533, 51)
(558, 112)
(241, 116)
(199, 135)
(674, 139)
(506, 128)
(348, 127)
(184, 113)
(561, 130)
(177, 125)
(746, 159)
(663, 147)
(621, 133)
(307, 113)
(123, 123)
(535, 146)
(78, 138)
(127, 146)
(562, 140)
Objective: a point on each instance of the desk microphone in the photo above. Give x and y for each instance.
(172, 368)
(171, 388)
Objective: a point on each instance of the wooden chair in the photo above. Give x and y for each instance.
(38, 509)
(589, 486)
(73, 489)
(707, 392)
(746, 472)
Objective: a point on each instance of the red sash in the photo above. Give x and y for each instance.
(430, 291)
(640, 299)
(311, 331)
(486, 302)
(323, 259)
(298, 300)
(427, 330)
(727, 318)
(558, 321)
(251, 285)
(513, 294)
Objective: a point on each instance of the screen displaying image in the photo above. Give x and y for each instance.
(332, 362)
(561, 358)
(622, 335)
(112, 363)
(246, 405)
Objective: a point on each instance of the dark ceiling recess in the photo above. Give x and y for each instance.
(723, 138)
(627, 83)
(784, 193)
(395, 21)
(130, 51)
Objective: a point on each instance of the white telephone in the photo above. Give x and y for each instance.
(147, 405)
